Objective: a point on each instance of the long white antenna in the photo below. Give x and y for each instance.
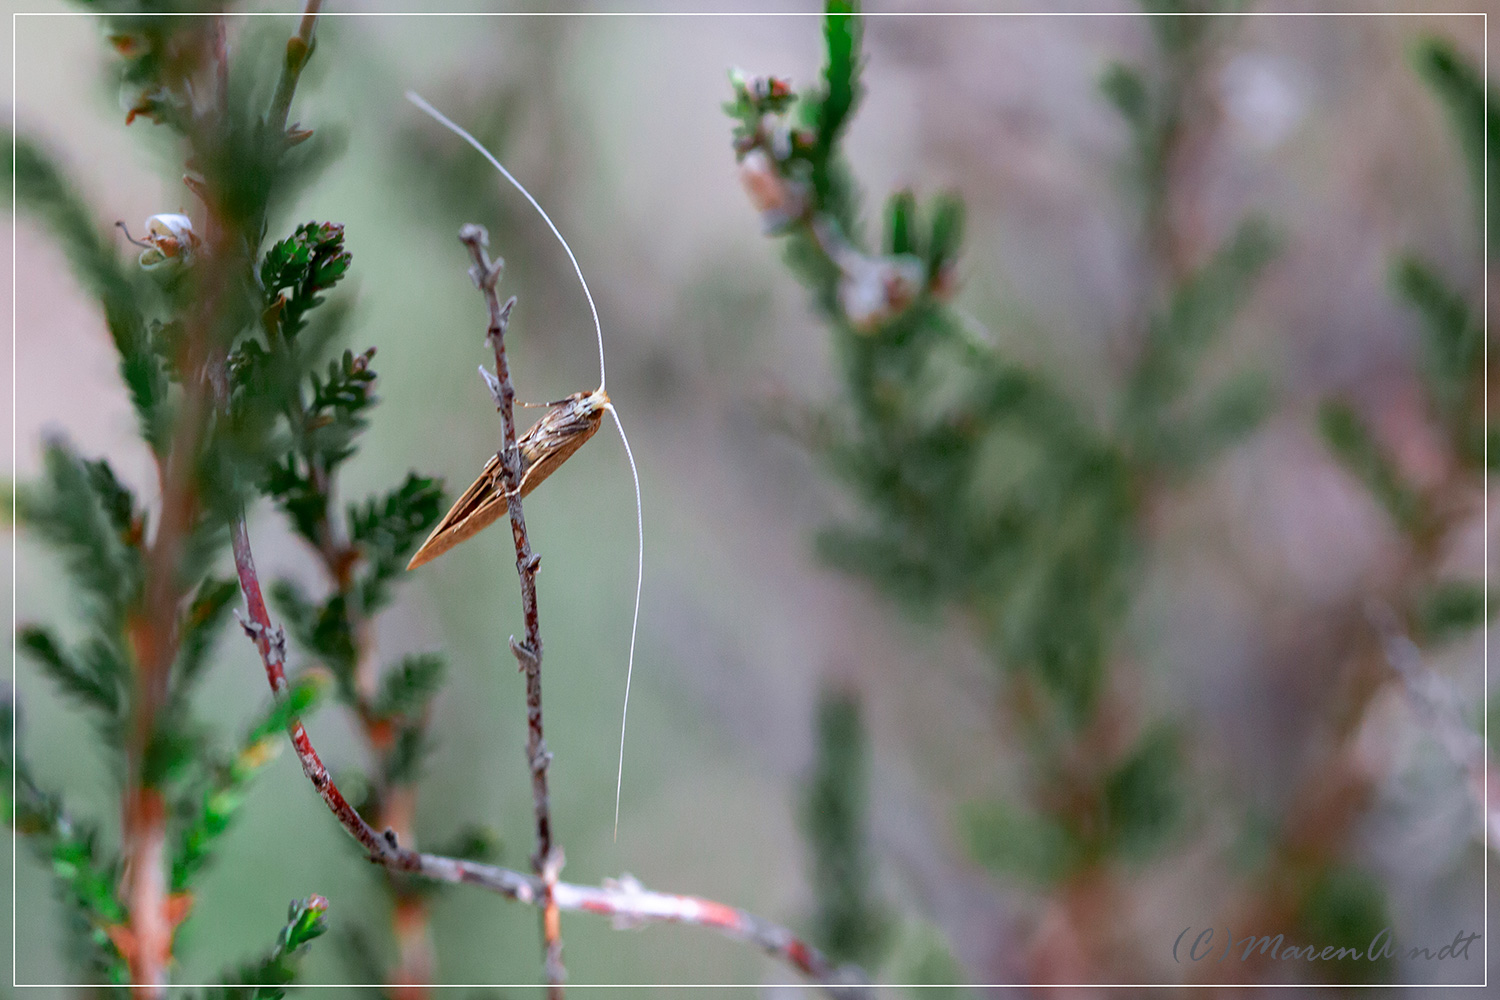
(446, 122)
(640, 529)
(640, 574)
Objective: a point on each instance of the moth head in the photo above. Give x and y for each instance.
(591, 403)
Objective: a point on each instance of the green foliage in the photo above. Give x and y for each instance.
(920, 957)
(387, 529)
(295, 273)
(335, 412)
(806, 154)
(472, 843)
(297, 270)
(176, 314)
(402, 763)
(322, 629)
(981, 485)
(300, 698)
(1448, 610)
(842, 31)
(849, 923)
(363, 553)
(199, 630)
(1185, 33)
(1356, 447)
(1139, 808)
(42, 188)
(1143, 797)
(407, 688)
(1345, 907)
(1461, 88)
(82, 511)
(1452, 335)
(1199, 310)
(95, 678)
(1019, 844)
(1125, 88)
(156, 59)
(1452, 353)
(84, 875)
(323, 438)
(267, 978)
(212, 806)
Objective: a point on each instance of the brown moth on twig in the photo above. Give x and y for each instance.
(549, 443)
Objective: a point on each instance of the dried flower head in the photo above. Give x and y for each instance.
(169, 237)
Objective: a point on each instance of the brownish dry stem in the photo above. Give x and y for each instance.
(547, 860)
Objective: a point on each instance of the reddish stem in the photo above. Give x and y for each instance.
(625, 901)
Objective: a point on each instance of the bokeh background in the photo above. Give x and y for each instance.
(615, 124)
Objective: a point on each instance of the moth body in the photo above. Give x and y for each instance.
(549, 443)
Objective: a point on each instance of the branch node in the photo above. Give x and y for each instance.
(524, 654)
(252, 629)
(553, 865)
(493, 384)
(474, 235)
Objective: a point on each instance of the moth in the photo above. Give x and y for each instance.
(550, 442)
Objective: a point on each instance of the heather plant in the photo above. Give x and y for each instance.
(229, 341)
(983, 486)
(984, 491)
(980, 484)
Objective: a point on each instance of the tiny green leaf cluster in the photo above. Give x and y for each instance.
(84, 873)
(850, 923)
(268, 978)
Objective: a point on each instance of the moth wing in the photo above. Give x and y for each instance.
(470, 514)
(551, 441)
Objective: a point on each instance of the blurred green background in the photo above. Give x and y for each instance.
(615, 124)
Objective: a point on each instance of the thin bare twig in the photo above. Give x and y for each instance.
(624, 900)
(547, 861)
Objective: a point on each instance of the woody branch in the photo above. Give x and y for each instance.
(547, 861)
(625, 901)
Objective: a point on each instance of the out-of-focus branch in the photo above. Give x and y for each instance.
(547, 861)
(298, 49)
(1427, 696)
